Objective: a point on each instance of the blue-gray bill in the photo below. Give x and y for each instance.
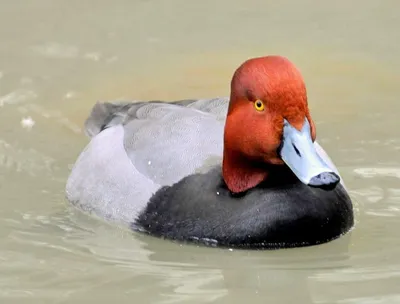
(299, 154)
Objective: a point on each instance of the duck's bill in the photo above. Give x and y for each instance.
(299, 154)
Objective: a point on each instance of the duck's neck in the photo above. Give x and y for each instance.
(240, 174)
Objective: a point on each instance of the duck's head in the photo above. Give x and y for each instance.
(269, 123)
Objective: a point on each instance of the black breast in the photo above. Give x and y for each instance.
(277, 214)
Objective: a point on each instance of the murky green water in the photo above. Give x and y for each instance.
(58, 57)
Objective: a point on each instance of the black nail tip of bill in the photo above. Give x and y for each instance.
(325, 180)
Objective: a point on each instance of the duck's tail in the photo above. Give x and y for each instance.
(104, 115)
(108, 114)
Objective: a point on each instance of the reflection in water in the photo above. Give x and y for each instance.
(182, 272)
(57, 58)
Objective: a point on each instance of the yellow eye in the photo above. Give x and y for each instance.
(259, 105)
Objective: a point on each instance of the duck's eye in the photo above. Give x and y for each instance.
(259, 105)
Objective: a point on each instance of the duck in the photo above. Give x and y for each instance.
(241, 171)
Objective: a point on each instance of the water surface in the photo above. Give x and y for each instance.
(57, 58)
